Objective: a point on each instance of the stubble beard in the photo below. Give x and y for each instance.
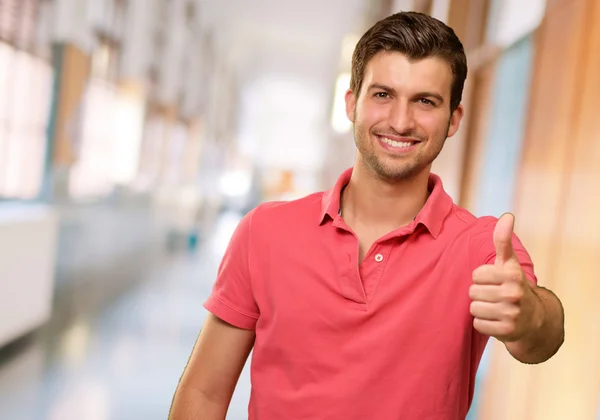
(402, 167)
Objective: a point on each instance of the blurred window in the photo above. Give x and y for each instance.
(110, 124)
(90, 176)
(18, 22)
(25, 83)
(110, 133)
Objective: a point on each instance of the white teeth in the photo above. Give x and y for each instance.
(395, 143)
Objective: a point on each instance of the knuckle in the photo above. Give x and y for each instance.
(473, 292)
(512, 313)
(514, 275)
(482, 270)
(513, 294)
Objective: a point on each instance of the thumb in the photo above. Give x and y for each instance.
(503, 233)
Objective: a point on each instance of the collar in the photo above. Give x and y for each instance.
(432, 215)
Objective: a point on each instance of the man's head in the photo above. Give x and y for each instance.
(408, 73)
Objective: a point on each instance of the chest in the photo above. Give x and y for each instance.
(408, 302)
(403, 279)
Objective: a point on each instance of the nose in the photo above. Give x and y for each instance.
(401, 117)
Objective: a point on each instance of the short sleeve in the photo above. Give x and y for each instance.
(232, 298)
(484, 252)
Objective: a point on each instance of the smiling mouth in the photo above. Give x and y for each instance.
(396, 143)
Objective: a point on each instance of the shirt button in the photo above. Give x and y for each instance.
(378, 257)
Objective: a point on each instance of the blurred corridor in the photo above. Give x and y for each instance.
(135, 134)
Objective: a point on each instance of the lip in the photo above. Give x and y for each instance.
(398, 150)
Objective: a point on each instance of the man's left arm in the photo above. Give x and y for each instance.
(545, 335)
(528, 319)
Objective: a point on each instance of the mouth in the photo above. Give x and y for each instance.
(398, 145)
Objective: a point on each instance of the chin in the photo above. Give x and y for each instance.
(394, 171)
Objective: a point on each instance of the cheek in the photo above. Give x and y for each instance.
(370, 115)
(432, 124)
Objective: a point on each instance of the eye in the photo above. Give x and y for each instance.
(426, 101)
(381, 95)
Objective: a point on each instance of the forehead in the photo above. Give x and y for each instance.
(395, 70)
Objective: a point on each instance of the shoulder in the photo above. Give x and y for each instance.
(475, 233)
(274, 215)
(480, 234)
(462, 219)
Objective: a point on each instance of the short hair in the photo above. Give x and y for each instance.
(417, 36)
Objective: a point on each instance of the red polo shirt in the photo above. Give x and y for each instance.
(391, 339)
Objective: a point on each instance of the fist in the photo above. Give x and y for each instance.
(503, 302)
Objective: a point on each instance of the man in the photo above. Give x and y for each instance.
(374, 300)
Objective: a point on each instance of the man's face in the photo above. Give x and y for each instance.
(402, 115)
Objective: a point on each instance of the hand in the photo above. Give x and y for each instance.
(503, 302)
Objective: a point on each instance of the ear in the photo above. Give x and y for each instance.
(350, 104)
(455, 120)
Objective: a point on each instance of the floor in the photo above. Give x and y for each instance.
(117, 355)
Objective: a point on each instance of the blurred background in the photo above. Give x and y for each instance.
(134, 135)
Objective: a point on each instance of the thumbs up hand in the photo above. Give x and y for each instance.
(503, 302)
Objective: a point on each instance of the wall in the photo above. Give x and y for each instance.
(28, 248)
(505, 133)
(556, 212)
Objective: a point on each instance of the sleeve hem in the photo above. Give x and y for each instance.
(529, 274)
(230, 315)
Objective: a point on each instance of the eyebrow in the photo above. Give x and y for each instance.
(419, 95)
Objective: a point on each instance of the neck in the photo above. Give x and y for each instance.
(371, 200)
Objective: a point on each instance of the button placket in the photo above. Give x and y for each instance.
(378, 263)
(351, 284)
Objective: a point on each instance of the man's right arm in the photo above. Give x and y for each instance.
(210, 377)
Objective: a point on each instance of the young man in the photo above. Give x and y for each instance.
(373, 300)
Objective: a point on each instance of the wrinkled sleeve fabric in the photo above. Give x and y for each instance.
(232, 298)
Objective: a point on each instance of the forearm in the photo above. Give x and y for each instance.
(193, 404)
(543, 341)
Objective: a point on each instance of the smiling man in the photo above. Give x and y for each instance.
(375, 299)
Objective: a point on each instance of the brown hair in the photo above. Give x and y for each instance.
(417, 36)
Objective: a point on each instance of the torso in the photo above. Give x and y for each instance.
(363, 325)
(375, 334)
